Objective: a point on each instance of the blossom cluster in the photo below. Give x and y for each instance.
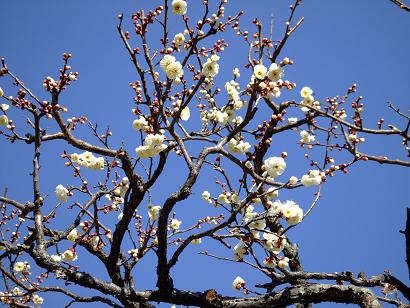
(172, 68)
(153, 146)
(88, 160)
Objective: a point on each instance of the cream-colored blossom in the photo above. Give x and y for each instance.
(179, 7)
(312, 178)
(259, 71)
(275, 166)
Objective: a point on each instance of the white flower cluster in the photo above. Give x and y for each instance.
(312, 178)
(275, 72)
(232, 87)
(211, 67)
(308, 99)
(179, 7)
(274, 166)
(353, 138)
(61, 193)
(88, 160)
(238, 146)
(171, 67)
(140, 124)
(305, 137)
(153, 146)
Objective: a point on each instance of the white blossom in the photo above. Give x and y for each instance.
(291, 212)
(236, 72)
(283, 262)
(69, 255)
(306, 91)
(175, 224)
(259, 71)
(4, 107)
(4, 120)
(210, 68)
(269, 262)
(206, 196)
(293, 180)
(73, 235)
(185, 114)
(305, 137)
(274, 243)
(275, 166)
(236, 146)
(238, 283)
(312, 178)
(174, 70)
(179, 39)
(179, 7)
(153, 212)
(140, 124)
(56, 258)
(61, 193)
(239, 250)
(21, 266)
(196, 241)
(275, 72)
(88, 160)
(37, 299)
(165, 61)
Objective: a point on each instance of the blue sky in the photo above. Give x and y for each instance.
(355, 226)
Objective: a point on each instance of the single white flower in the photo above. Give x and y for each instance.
(21, 266)
(4, 120)
(275, 166)
(206, 196)
(69, 255)
(174, 70)
(239, 250)
(175, 224)
(4, 107)
(210, 68)
(185, 114)
(275, 72)
(293, 180)
(291, 212)
(312, 178)
(153, 212)
(238, 283)
(259, 71)
(61, 193)
(274, 243)
(140, 124)
(165, 61)
(73, 235)
(306, 91)
(179, 7)
(179, 39)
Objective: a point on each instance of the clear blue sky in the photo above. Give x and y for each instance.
(355, 226)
